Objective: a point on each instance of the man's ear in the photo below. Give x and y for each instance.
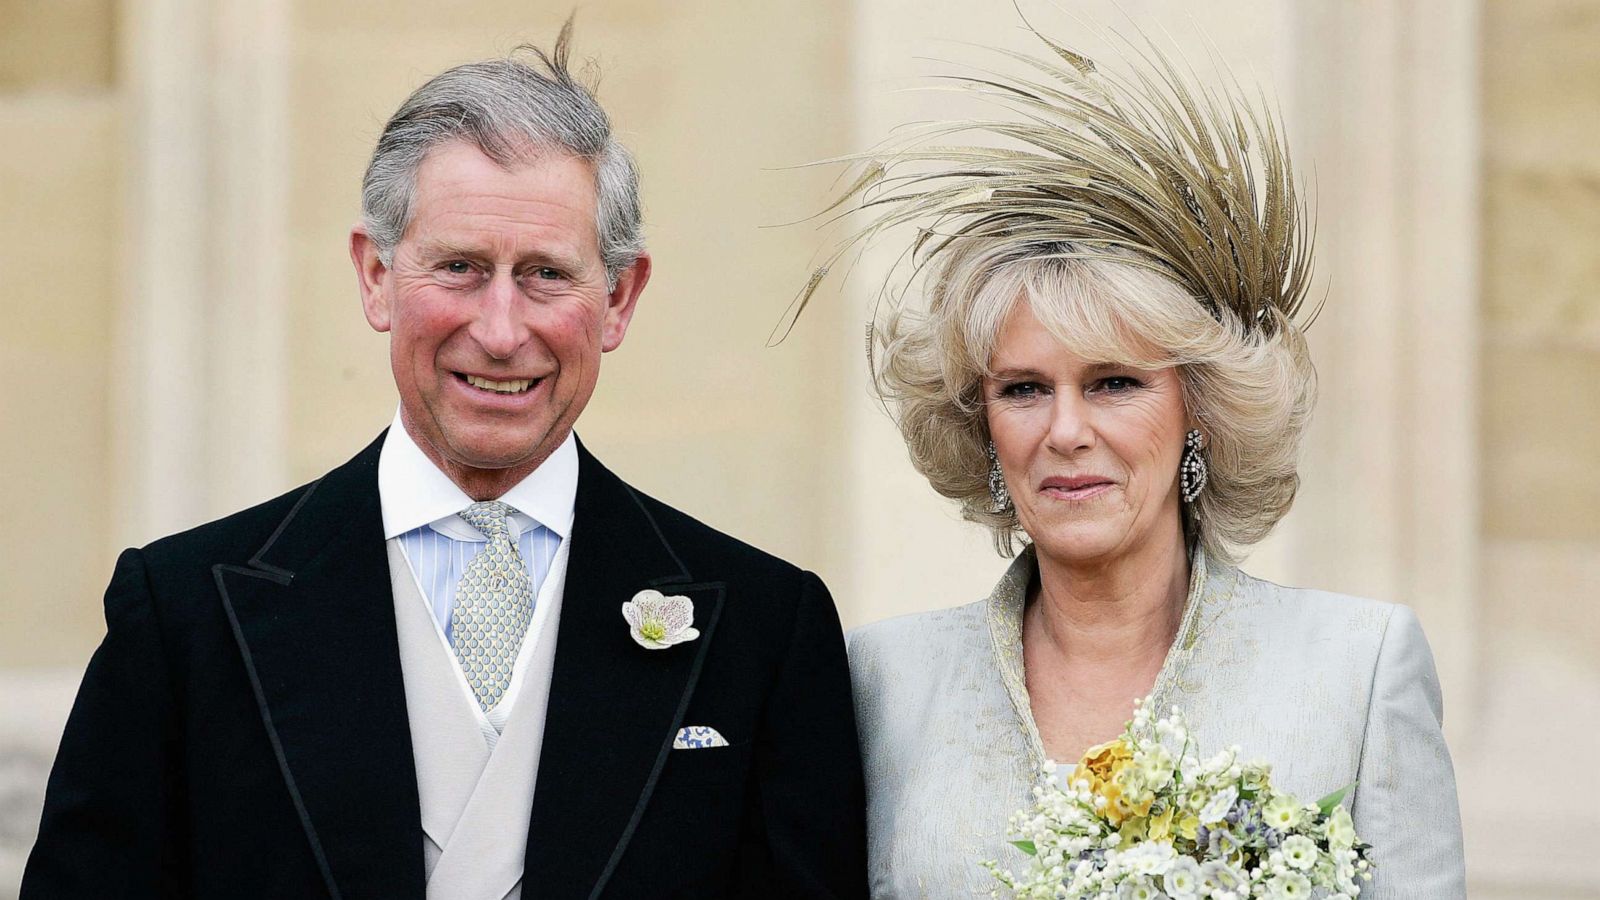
(623, 300)
(370, 277)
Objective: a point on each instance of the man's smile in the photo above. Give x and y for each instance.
(514, 386)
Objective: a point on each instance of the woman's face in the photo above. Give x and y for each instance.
(1090, 450)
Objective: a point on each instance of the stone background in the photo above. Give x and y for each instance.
(182, 337)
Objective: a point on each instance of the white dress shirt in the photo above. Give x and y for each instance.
(421, 507)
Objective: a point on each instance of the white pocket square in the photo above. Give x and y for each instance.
(698, 737)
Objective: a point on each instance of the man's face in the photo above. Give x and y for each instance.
(497, 308)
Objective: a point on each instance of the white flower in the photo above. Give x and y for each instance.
(1340, 830)
(1182, 880)
(1155, 767)
(1150, 858)
(1299, 852)
(656, 621)
(1282, 812)
(1217, 807)
(1138, 889)
(1292, 886)
(1219, 876)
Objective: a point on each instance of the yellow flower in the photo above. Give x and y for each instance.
(1134, 829)
(1099, 769)
(1189, 825)
(1103, 761)
(1160, 827)
(1115, 810)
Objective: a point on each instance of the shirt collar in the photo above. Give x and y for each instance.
(413, 492)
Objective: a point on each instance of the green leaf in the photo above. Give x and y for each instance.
(1026, 847)
(1326, 804)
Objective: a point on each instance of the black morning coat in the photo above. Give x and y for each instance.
(241, 731)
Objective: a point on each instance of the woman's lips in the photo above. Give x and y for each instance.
(1082, 487)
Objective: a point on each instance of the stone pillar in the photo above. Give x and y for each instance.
(199, 370)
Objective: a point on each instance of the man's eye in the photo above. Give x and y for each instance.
(458, 267)
(545, 273)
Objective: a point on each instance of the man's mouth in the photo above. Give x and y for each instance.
(515, 386)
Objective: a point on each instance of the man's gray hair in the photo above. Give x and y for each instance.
(511, 110)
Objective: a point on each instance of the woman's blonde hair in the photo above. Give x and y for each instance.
(1145, 221)
(1251, 391)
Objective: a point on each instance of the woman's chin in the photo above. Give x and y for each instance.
(1081, 546)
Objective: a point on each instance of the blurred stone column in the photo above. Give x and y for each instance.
(199, 364)
(1387, 127)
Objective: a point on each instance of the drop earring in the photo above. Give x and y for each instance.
(999, 497)
(1192, 472)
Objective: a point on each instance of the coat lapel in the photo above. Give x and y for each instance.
(614, 706)
(314, 618)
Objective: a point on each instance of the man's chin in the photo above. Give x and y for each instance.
(502, 454)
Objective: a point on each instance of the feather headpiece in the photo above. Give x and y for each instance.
(1192, 182)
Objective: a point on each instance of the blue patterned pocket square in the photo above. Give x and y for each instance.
(698, 737)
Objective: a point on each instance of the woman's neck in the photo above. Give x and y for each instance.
(1118, 613)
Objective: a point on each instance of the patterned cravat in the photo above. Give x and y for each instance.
(493, 605)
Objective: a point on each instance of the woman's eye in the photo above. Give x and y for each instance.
(1020, 389)
(1118, 383)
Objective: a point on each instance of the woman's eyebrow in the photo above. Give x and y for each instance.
(1013, 373)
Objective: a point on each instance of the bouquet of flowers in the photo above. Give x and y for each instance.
(1144, 817)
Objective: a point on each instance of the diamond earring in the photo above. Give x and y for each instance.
(999, 497)
(1192, 471)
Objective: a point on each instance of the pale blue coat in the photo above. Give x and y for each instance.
(1328, 689)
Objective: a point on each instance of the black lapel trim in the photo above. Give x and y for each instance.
(677, 723)
(683, 571)
(261, 696)
(316, 635)
(281, 575)
(614, 708)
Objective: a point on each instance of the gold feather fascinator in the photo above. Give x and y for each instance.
(1193, 182)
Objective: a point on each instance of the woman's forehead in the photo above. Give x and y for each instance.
(1084, 330)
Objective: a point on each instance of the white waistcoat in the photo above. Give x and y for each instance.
(476, 800)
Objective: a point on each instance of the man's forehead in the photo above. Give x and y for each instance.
(464, 198)
(456, 161)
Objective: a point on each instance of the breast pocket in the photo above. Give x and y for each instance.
(706, 766)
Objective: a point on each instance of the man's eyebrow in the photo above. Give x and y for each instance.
(434, 248)
(555, 258)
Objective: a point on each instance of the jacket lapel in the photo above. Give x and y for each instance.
(314, 618)
(614, 706)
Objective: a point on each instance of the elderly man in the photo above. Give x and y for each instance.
(471, 662)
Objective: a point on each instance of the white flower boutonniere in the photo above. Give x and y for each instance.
(656, 621)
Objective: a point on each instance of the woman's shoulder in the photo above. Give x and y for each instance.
(1315, 614)
(914, 633)
(925, 648)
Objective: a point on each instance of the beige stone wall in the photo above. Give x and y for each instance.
(59, 228)
(1540, 431)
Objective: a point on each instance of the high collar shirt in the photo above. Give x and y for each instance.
(421, 508)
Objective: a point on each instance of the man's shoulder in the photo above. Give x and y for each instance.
(239, 536)
(234, 537)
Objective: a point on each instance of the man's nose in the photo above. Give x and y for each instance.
(501, 325)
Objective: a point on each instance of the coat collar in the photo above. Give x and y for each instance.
(614, 706)
(313, 616)
(1211, 587)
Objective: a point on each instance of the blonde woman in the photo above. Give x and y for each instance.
(1107, 369)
